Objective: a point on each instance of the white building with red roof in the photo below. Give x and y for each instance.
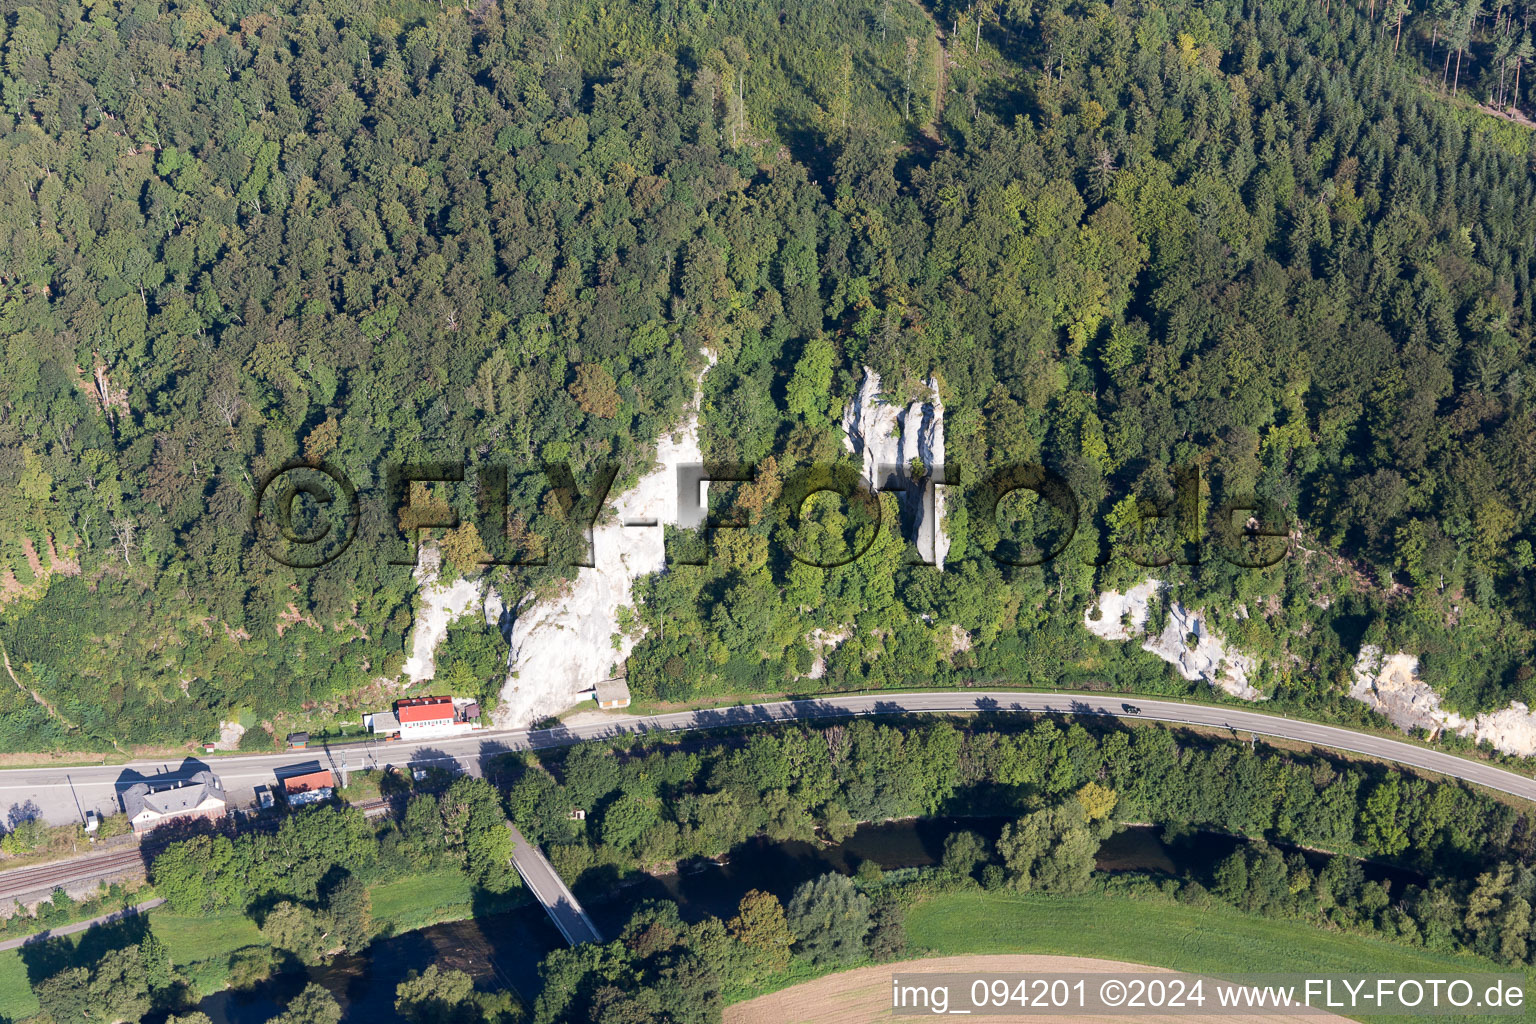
(426, 718)
(309, 788)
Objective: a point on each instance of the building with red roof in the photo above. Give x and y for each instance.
(425, 717)
(423, 713)
(309, 788)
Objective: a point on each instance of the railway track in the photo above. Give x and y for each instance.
(44, 878)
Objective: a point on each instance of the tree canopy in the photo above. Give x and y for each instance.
(1245, 255)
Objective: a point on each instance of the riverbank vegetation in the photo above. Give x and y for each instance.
(1472, 892)
(659, 802)
(308, 855)
(1450, 873)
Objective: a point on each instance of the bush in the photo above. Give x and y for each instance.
(257, 740)
(962, 852)
(887, 939)
(830, 918)
(249, 966)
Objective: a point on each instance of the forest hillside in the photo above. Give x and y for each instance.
(1186, 256)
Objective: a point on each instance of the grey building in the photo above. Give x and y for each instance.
(200, 796)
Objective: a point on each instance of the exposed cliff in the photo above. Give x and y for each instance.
(562, 647)
(1124, 616)
(1392, 686)
(442, 603)
(888, 439)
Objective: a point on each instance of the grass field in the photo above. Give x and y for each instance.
(426, 899)
(1155, 931)
(1212, 939)
(1161, 933)
(16, 1000)
(201, 946)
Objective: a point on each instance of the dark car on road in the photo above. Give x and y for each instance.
(1130, 709)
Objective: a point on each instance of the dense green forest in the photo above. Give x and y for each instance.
(1275, 242)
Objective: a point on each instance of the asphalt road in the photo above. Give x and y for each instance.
(80, 926)
(65, 794)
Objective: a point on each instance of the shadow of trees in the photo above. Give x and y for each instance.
(46, 958)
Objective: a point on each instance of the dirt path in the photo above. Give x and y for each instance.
(863, 996)
(6, 658)
(1514, 114)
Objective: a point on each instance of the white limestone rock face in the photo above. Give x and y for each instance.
(1124, 616)
(1121, 616)
(1209, 659)
(562, 647)
(441, 604)
(1392, 685)
(886, 435)
(1511, 730)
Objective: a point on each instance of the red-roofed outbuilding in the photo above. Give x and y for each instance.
(305, 783)
(310, 788)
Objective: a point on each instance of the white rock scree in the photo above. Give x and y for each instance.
(1123, 616)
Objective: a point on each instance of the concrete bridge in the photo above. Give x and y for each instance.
(540, 877)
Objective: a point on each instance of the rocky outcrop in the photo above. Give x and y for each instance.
(1116, 616)
(441, 604)
(887, 438)
(562, 646)
(1512, 730)
(1209, 658)
(1392, 686)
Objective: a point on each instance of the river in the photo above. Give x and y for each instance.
(504, 950)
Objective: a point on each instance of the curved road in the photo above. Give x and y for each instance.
(64, 794)
(970, 702)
